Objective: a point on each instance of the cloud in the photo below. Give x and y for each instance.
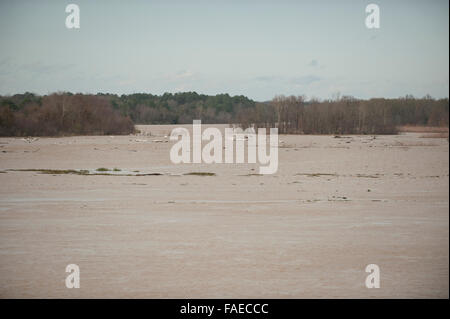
(314, 63)
(182, 80)
(184, 74)
(297, 81)
(182, 88)
(268, 78)
(180, 75)
(34, 69)
(304, 80)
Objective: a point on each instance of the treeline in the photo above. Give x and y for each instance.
(60, 114)
(68, 114)
(347, 115)
(181, 108)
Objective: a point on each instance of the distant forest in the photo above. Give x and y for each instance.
(346, 115)
(60, 114)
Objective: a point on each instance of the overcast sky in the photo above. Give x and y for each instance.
(254, 48)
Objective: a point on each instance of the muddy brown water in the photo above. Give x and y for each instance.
(334, 206)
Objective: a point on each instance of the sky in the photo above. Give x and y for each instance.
(254, 48)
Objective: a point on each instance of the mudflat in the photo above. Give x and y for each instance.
(151, 229)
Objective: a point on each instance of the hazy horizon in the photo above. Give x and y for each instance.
(308, 98)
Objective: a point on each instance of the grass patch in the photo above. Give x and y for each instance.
(368, 176)
(102, 169)
(286, 146)
(116, 169)
(201, 174)
(112, 174)
(315, 174)
(54, 171)
(78, 172)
